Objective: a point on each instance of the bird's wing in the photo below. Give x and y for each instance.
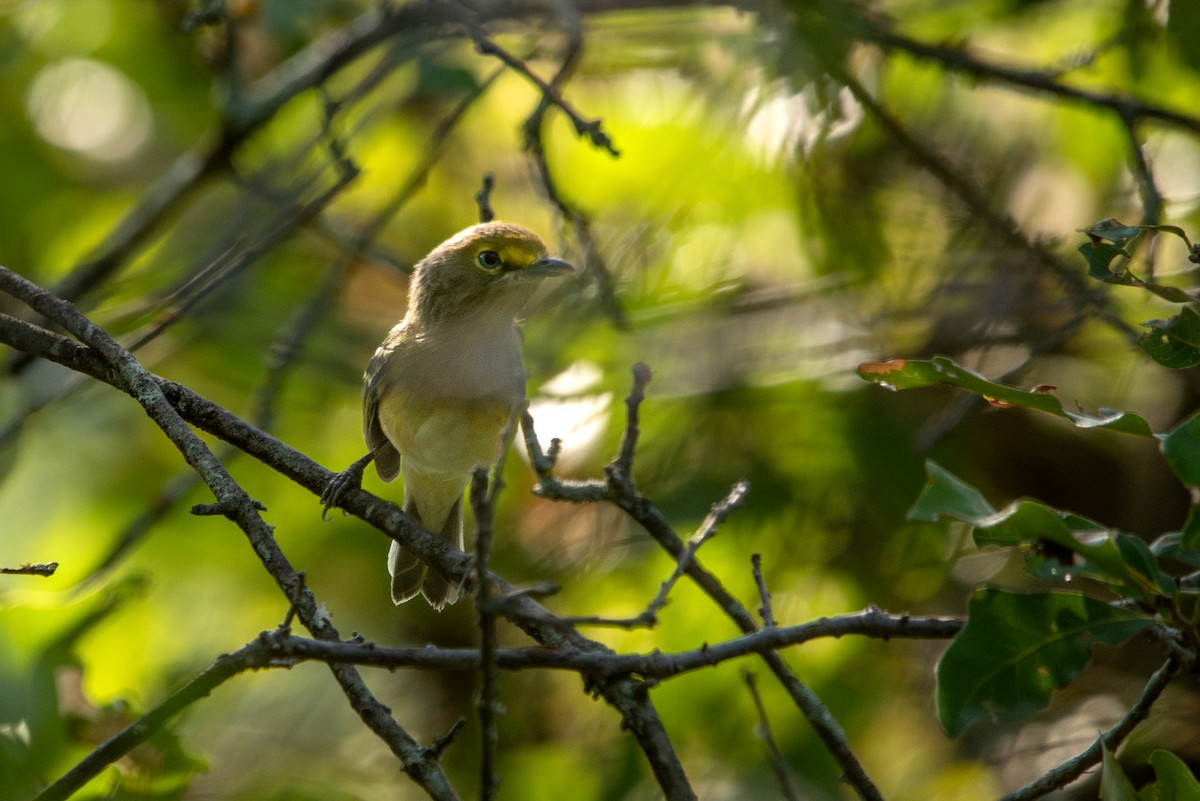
(387, 458)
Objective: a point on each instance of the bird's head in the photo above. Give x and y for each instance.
(490, 266)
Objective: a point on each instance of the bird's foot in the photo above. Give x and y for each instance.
(346, 481)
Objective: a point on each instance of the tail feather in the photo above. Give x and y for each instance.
(411, 576)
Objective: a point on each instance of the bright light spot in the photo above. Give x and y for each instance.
(579, 377)
(782, 123)
(90, 108)
(562, 410)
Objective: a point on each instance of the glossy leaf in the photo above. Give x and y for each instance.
(947, 494)
(1114, 784)
(1173, 781)
(897, 374)
(1127, 565)
(1173, 343)
(1181, 449)
(1017, 648)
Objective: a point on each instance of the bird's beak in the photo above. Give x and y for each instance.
(547, 267)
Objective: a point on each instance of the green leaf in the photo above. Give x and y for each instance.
(1032, 523)
(1173, 780)
(1136, 553)
(1173, 544)
(947, 494)
(1099, 255)
(1173, 343)
(898, 374)
(1181, 449)
(1189, 539)
(1121, 560)
(1113, 230)
(1114, 784)
(1017, 648)
(1108, 241)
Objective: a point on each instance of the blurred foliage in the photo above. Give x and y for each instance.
(800, 188)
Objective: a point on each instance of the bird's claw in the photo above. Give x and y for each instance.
(345, 481)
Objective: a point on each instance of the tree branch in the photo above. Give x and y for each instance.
(235, 504)
(1074, 767)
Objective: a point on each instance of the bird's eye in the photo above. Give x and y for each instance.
(489, 260)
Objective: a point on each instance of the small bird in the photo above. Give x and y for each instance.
(441, 389)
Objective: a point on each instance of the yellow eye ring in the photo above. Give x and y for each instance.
(489, 260)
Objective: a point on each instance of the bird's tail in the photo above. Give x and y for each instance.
(411, 576)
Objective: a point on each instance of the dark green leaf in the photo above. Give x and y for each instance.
(1017, 648)
(1138, 556)
(1032, 523)
(1173, 780)
(1173, 343)
(897, 374)
(1114, 784)
(1181, 449)
(1099, 255)
(1189, 541)
(1113, 230)
(1172, 545)
(946, 494)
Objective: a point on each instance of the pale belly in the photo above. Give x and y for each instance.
(450, 437)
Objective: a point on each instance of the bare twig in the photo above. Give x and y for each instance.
(44, 569)
(224, 668)
(649, 616)
(487, 703)
(620, 489)
(593, 262)
(778, 763)
(621, 469)
(626, 694)
(962, 60)
(764, 594)
(1074, 767)
(128, 374)
(483, 199)
(592, 129)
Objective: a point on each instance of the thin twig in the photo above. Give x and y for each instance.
(149, 391)
(487, 703)
(778, 763)
(1074, 767)
(593, 263)
(44, 569)
(962, 60)
(764, 594)
(625, 693)
(222, 670)
(592, 129)
(483, 199)
(620, 489)
(707, 529)
(622, 465)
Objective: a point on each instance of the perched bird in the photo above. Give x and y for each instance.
(447, 379)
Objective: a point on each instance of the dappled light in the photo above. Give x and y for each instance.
(856, 456)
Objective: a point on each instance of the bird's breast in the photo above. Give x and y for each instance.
(445, 435)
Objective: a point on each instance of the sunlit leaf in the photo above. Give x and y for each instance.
(1107, 242)
(947, 494)
(1112, 230)
(1126, 564)
(1173, 781)
(1175, 342)
(1173, 545)
(1181, 449)
(1136, 553)
(1017, 648)
(1099, 257)
(1114, 784)
(897, 374)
